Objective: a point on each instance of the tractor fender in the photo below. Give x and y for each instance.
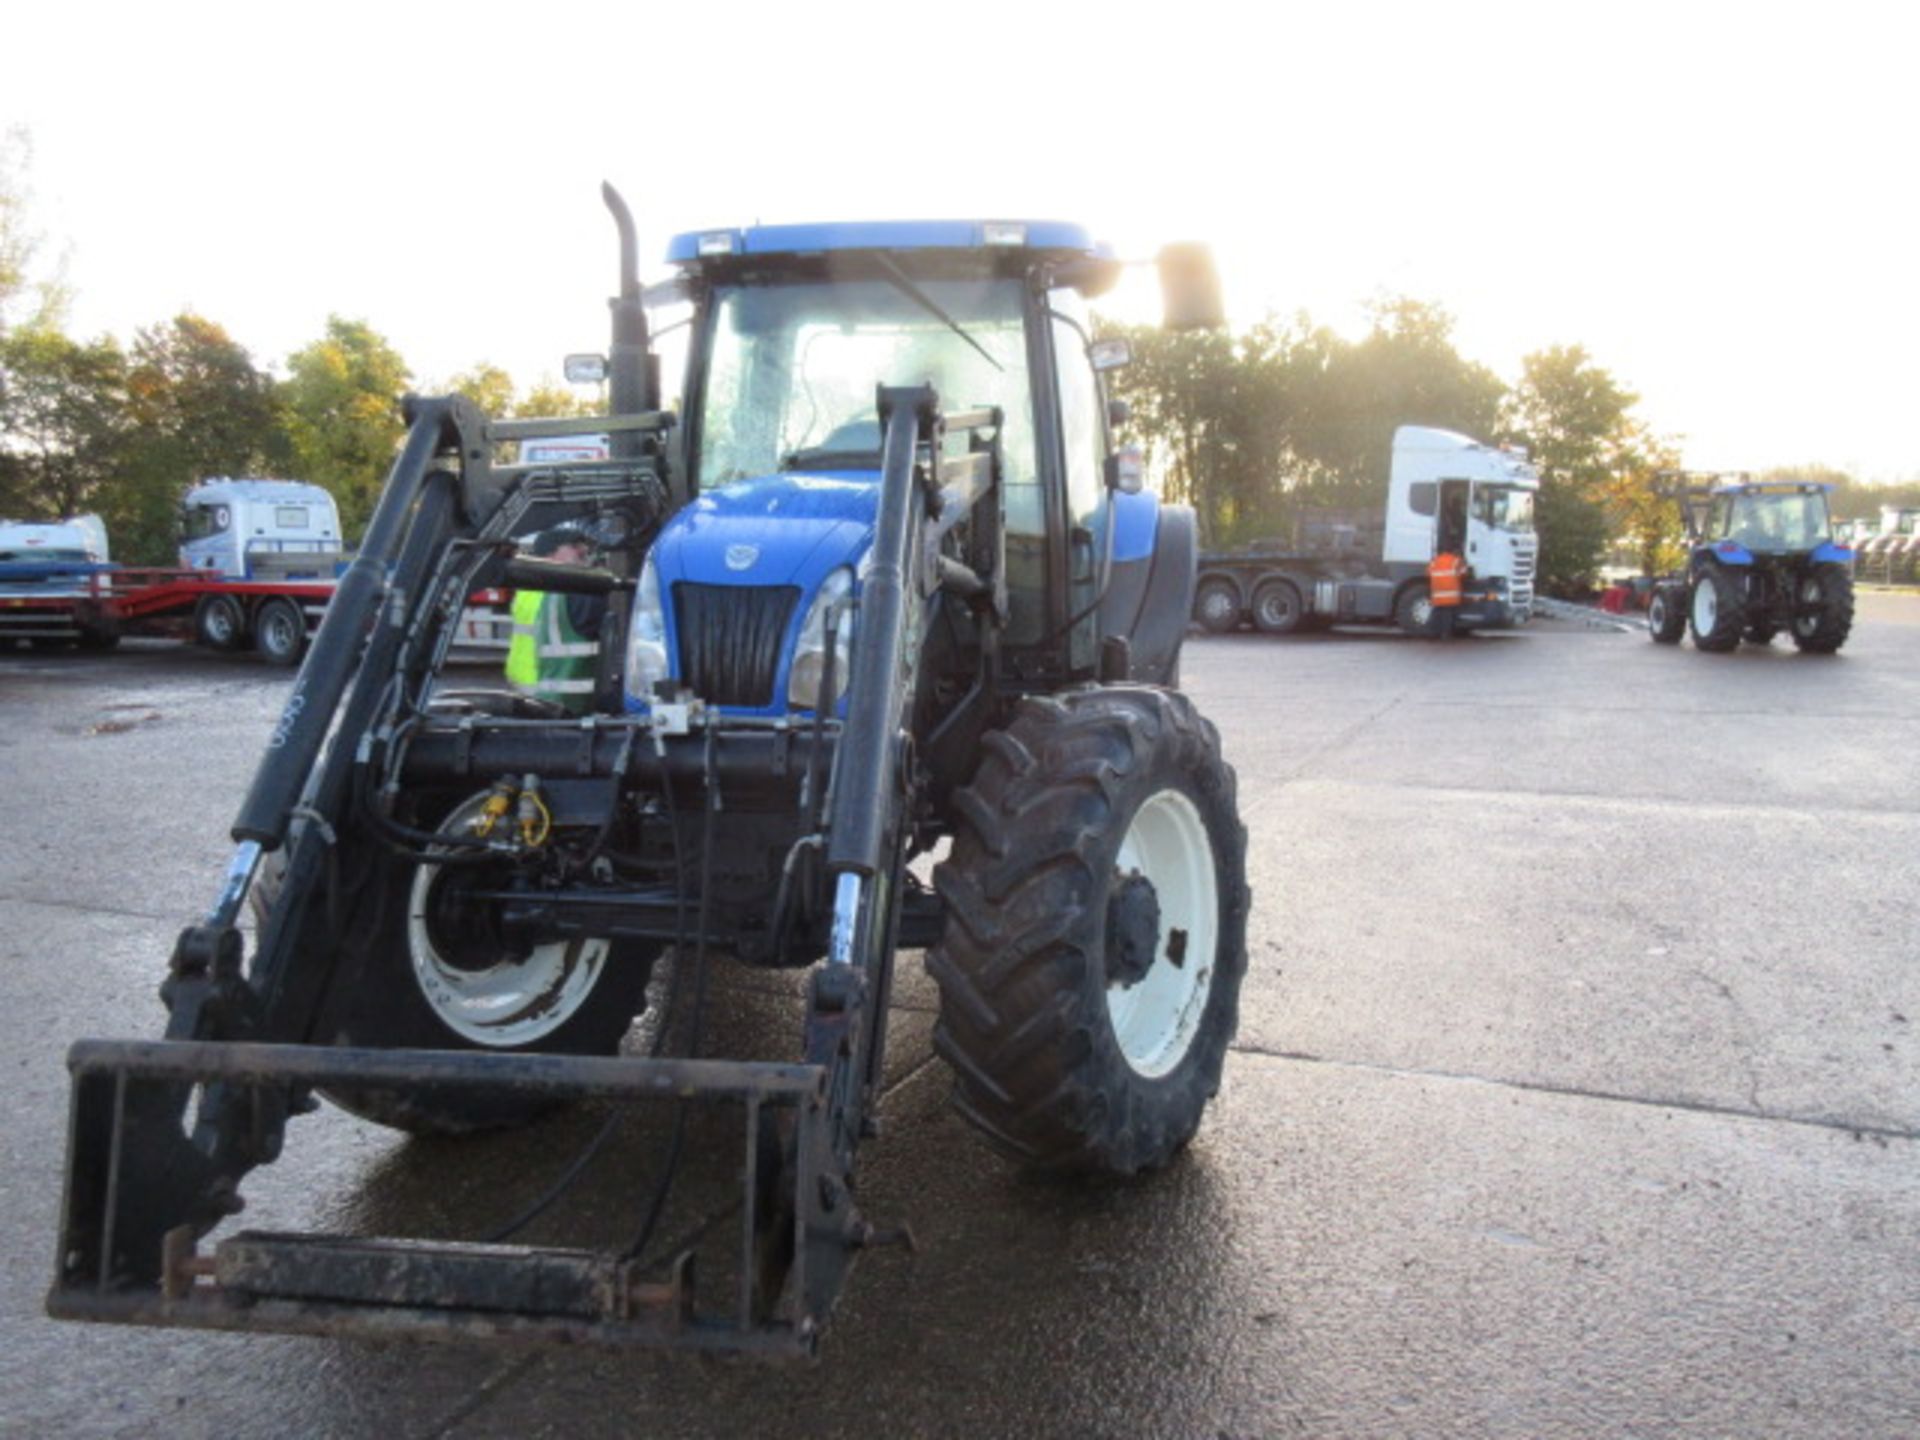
(1149, 594)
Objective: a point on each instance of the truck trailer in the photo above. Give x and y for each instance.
(1445, 491)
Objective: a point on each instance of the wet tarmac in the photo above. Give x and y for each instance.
(1576, 1092)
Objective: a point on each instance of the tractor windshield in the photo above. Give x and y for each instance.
(792, 369)
(1772, 521)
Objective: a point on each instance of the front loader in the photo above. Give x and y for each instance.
(878, 593)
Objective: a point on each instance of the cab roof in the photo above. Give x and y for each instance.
(986, 240)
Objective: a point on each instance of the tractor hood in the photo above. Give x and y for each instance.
(772, 541)
(775, 530)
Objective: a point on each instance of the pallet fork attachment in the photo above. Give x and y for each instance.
(130, 1251)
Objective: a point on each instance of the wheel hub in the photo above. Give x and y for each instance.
(466, 933)
(1133, 929)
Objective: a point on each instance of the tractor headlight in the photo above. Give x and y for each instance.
(646, 635)
(810, 655)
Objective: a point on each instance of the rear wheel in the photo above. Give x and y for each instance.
(1096, 935)
(1666, 616)
(1276, 608)
(1216, 605)
(440, 975)
(280, 632)
(219, 623)
(1823, 609)
(1714, 610)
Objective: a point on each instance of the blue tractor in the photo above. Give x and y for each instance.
(887, 657)
(1761, 559)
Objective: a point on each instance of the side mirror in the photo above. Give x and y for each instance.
(584, 369)
(1112, 354)
(1190, 288)
(1127, 470)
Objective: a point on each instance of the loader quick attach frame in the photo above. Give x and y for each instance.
(162, 1132)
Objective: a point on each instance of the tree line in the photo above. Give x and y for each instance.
(1251, 428)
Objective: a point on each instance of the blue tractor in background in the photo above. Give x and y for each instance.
(1761, 559)
(879, 593)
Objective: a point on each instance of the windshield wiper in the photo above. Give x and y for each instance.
(932, 307)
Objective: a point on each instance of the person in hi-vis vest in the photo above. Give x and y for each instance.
(555, 650)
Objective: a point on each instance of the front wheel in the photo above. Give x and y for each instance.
(220, 623)
(439, 974)
(1666, 617)
(1413, 611)
(1096, 903)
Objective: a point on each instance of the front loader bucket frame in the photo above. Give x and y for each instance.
(126, 1257)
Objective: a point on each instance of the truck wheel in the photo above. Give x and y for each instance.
(1413, 611)
(1823, 609)
(1096, 903)
(280, 632)
(219, 623)
(1715, 610)
(438, 976)
(100, 639)
(1276, 608)
(1216, 605)
(1666, 616)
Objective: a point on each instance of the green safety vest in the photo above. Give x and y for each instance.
(565, 659)
(523, 663)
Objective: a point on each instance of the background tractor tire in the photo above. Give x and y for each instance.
(219, 623)
(1277, 609)
(1085, 1010)
(1714, 610)
(392, 1009)
(1413, 611)
(1216, 605)
(1823, 609)
(280, 632)
(1666, 615)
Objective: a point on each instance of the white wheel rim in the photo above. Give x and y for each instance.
(1274, 608)
(1154, 1020)
(1706, 607)
(506, 1005)
(1423, 610)
(1217, 605)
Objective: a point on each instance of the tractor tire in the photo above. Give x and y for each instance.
(1216, 605)
(219, 623)
(1095, 941)
(1666, 615)
(1277, 609)
(1714, 610)
(1413, 611)
(426, 985)
(1823, 609)
(280, 632)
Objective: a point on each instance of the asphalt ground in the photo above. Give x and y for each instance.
(1576, 1092)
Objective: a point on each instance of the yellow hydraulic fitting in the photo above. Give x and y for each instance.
(496, 808)
(536, 821)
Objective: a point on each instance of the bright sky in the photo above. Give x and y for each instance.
(1717, 200)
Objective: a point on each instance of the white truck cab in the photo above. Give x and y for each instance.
(79, 539)
(1449, 492)
(250, 529)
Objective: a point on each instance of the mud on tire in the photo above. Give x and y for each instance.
(1049, 1061)
(1823, 609)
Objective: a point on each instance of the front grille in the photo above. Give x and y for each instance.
(730, 639)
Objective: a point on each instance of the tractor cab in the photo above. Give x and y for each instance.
(1769, 519)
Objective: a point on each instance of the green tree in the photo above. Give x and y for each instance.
(1574, 418)
(342, 406)
(547, 400)
(63, 420)
(24, 301)
(487, 386)
(199, 408)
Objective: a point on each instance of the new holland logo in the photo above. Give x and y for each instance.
(741, 557)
